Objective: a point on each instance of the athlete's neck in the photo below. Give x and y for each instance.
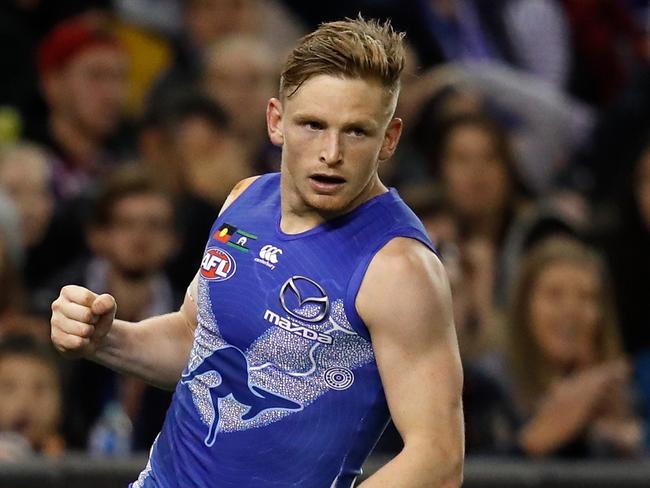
(298, 216)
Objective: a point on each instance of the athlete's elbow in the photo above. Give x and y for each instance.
(441, 467)
(455, 478)
(452, 472)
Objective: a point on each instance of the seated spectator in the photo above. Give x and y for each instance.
(82, 70)
(26, 176)
(206, 157)
(205, 22)
(132, 235)
(30, 399)
(242, 72)
(477, 174)
(571, 380)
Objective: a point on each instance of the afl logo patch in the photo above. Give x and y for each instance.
(217, 265)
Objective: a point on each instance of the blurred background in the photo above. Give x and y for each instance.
(526, 153)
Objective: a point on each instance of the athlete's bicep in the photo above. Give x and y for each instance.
(406, 303)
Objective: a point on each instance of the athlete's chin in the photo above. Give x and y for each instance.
(329, 204)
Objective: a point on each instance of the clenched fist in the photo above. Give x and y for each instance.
(80, 321)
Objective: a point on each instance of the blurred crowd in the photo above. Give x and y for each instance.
(124, 124)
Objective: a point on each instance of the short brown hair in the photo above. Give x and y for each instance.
(124, 182)
(351, 48)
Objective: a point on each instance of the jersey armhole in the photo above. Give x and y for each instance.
(253, 183)
(349, 303)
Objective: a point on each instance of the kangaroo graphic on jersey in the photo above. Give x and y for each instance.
(235, 384)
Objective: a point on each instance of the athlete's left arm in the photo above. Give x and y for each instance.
(405, 302)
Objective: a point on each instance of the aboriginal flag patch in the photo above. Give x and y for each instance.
(224, 233)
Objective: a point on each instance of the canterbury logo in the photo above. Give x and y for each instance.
(270, 253)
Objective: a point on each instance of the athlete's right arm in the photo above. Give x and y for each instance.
(155, 350)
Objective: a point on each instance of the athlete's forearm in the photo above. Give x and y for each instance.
(419, 468)
(155, 350)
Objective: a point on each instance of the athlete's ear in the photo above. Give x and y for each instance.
(274, 121)
(391, 138)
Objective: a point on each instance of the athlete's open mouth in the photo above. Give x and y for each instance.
(328, 179)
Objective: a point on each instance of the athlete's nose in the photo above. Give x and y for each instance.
(330, 152)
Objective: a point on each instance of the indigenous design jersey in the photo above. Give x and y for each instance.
(281, 388)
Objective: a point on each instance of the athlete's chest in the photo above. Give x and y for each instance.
(258, 284)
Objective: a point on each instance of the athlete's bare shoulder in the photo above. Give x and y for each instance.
(406, 269)
(237, 190)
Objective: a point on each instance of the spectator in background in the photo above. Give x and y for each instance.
(208, 159)
(206, 22)
(240, 74)
(478, 177)
(82, 70)
(132, 235)
(30, 399)
(571, 381)
(38, 246)
(545, 125)
(22, 24)
(25, 176)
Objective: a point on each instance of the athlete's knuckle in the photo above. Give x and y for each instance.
(55, 322)
(86, 331)
(74, 342)
(67, 290)
(87, 316)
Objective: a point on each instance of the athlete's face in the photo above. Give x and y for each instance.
(334, 132)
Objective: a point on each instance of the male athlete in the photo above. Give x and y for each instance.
(318, 310)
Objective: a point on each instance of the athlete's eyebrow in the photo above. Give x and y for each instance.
(305, 117)
(367, 124)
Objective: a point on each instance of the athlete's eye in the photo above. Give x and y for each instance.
(357, 131)
(313, 125)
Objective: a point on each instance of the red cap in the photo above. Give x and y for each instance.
(68, 39)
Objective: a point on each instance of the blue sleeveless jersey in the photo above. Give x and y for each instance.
(281, 388)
